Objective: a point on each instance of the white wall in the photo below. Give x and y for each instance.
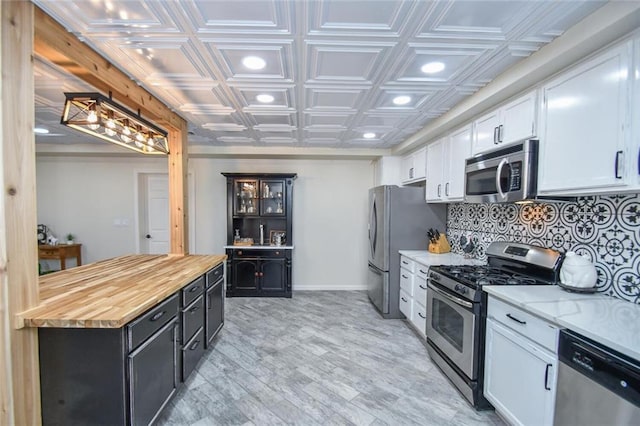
(83, 195)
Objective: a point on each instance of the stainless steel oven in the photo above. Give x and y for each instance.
(502, 175)
(456, 307)
(455, 334)
(451, 327)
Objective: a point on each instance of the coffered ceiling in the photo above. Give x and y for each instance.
(332, 68)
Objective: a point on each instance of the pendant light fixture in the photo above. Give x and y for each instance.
(99, 116)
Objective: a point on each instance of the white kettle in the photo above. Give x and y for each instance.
(578, 272)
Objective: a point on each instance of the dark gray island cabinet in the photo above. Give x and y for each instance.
(127, 375)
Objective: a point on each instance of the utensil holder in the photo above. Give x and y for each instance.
(440, 246)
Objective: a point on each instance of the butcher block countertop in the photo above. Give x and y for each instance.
(110, 293)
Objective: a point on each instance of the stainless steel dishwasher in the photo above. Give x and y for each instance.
(596, 385)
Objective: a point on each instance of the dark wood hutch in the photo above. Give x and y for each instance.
(259, 234)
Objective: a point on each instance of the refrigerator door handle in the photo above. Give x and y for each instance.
(373, 228)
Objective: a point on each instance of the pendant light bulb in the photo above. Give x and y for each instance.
(110, 127)
(92, 117)
(126, 133)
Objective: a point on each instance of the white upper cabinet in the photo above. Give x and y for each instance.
(445, 166)
(387, 171)
(413, 166)
(512, 122)
(435, 170)
(584, 140)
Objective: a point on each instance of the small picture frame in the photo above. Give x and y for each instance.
(277, 238)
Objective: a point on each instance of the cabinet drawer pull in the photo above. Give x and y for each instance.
(404, 276)
(617, 165)
(194, 289)
(422, 287)
(405, 262)
(516, 319)
(403, 299)
(421, 316)
(194, 345)
(157, 316)
(546, 377)
(194, 309)
(424, 272)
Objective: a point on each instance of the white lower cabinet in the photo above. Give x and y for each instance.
(413, 293)
(520, 374)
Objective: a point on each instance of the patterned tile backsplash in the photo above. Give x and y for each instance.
(604, 228)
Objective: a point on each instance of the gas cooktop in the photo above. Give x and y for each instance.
(477, 276)
(508, 264)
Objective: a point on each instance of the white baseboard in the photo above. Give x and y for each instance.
(331, 287)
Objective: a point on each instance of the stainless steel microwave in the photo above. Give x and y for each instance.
(503, 175)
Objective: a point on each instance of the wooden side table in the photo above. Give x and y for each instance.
(61, 252)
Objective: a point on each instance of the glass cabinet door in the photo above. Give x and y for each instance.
(247, 198)
(273, 198)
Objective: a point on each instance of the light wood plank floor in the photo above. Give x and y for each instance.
(322, 357)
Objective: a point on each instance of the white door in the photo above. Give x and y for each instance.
(582, 141)
(459, 149)
(484, 134)
(520, 377)
(518, 118)
(435, 167)
(155, 236)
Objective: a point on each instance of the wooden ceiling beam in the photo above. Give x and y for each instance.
(54, 43)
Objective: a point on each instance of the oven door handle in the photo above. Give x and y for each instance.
(454, 299)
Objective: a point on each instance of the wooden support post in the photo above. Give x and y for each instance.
(19, 374)
(53, 42)
(178, 190)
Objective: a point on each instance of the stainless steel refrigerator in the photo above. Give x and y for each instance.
(398, 220)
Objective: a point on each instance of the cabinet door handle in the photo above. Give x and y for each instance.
(617, 164)
(405, 262)
(257, 274)
(422, 316)
(546, 377)
(157, 316)
(424, 272)
(495, 136)
(194, 345)
(516, 319)
(404, 276)
(403, 299)
(446, 189)
(500, 132)
(422, 287)
(439, 189)
(639, 161)
(194, 309)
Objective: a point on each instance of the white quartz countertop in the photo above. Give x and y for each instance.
(259, 247)
(427, 258)
(612, 322)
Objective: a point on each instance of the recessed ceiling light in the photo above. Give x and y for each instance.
(264, 98)
(401, 100)
(40, 130)
(432, 67)
(369, 135)
(254, 62)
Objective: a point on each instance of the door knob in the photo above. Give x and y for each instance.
(147, 236)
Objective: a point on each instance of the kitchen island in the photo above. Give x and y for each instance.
(118, 337)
